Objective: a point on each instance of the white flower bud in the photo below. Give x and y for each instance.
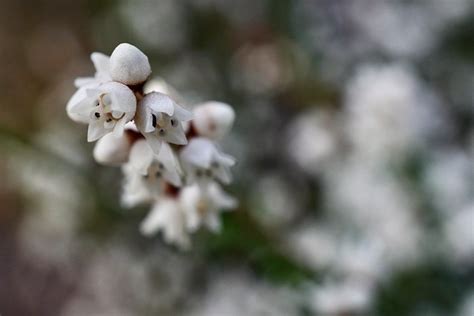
(111, 150)
(213, 119)
(129, 65)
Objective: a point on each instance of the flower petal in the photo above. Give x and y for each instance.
(176, 136)
(182, 114)
(96, 130)
(159, 103)
(141, 156)
(153, 142)
(101, 62)
(119, 127)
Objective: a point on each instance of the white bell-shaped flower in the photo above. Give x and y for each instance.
(155, 169)
(159, 119)
(203, 162)
(213, 119)
(129, 65)
(202, 205)
(113, 151)
(102, 71)
(107, 108)
(166, 216)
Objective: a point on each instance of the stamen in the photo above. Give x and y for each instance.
(153, 122)
(162, 132)
(109, 120)
(173, 122)
(158, 174)
(97, 114)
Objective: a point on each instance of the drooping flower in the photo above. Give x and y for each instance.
(166, 216)
(203, 162)
(155, 168)
(202, 205)
(106, 108)
(159, 119)
(213, 119)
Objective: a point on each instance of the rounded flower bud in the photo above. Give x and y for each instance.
(213, 119)
(111, 150)
(129, 65)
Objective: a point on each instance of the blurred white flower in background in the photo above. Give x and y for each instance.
(312, 140)
(277, 203)
(467, 306)
(237, 293)
(118, 281)
(157, 24)
(449, 178)
(386, 112)
(376, 204)
(341, 298)
(459, 232)
(314, 244)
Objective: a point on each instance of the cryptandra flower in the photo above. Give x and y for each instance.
(155, 169)
(202, 205)
(159, 119)
(139, 126)
(167, 216)
(213, 119)
(106, 108)
(203, 162)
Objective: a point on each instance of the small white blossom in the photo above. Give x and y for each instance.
(166, 216)
(102, 71)
(202, 162)
(106, 108)
(159, 119)
(155, 168)
(203, 204)
(129, 65)
(213, 119)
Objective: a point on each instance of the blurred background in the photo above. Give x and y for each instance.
(355, 145)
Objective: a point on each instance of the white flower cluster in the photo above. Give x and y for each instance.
(168, 154)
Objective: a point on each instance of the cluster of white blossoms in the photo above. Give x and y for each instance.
(169, 155)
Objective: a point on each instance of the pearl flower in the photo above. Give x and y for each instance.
(102, 66)
(202, 162)
(159, 119)
(166, 216)
(213, 119)
(106, 108)
(155, 168)
(129, 65)
(202, 205)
